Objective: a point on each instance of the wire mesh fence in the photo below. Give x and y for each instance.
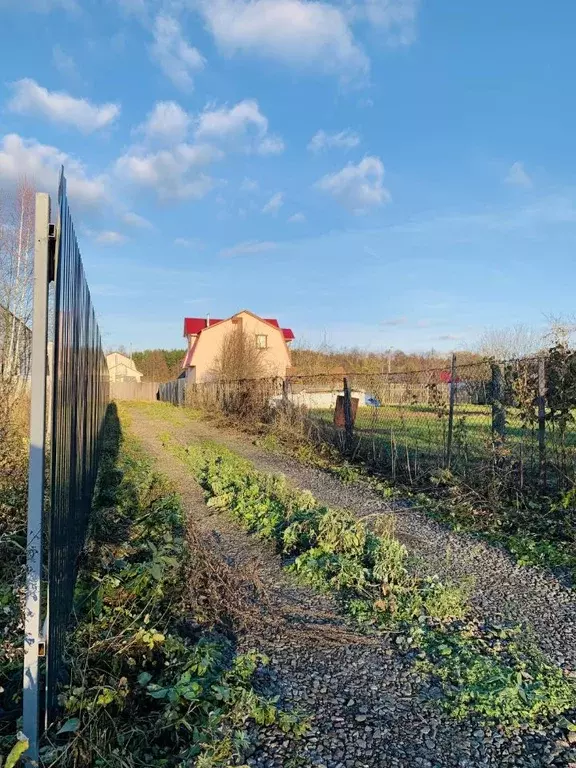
(509, 422)
(75, 409)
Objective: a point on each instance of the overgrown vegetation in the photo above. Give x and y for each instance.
(13, 491)
(490, 672)
(153, 676)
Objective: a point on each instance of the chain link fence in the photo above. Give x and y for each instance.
(508, 422)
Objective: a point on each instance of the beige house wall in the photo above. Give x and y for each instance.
(275, 359)
(121, 367)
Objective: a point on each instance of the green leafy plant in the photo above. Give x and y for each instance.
(492, 672)
(484, 671)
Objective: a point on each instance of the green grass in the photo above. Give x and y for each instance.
(420, 433)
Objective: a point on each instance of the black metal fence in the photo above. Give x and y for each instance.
(76, 409)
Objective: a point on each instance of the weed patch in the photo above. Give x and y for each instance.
(536, 531)
(486, 671)
(493, 672)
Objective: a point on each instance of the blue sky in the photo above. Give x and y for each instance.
(380, 173)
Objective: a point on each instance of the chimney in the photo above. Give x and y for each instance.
(207, 321)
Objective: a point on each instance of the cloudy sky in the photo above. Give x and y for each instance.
(371, 172)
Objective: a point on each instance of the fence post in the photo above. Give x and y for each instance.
(348, 422)
(498, 409)
(542, 422)
(451, 411)
(33, 640)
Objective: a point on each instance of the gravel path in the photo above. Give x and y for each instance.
(368, 706)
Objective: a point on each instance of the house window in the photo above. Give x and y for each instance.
(261, 341)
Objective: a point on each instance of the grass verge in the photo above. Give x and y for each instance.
(490, 672)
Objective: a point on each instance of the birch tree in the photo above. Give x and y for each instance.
(16, 284)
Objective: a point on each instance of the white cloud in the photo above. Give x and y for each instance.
(396, 18)
(32, 99)
(306, 34)
(242, 125)
(347, 139)
(134, 7)
(274, 204)
(357, 187)
(249, 185)
(271, 145)
(64, 63)
(167, 122)
(250, 246)
(517, 176)
(41, 164)
(297, 218)
(176, 58)
(172, 173)
(134, 220)
(230, 122)
(108, 237)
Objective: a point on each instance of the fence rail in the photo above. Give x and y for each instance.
(506, 421)
(76, 411)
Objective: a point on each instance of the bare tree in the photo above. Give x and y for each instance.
(16, 284)
(561, 330)
(239, 358)
(510, 343)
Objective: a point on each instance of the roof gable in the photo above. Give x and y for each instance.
(193, 326)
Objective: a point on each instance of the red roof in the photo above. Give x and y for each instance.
(446, 378)
(194, 325)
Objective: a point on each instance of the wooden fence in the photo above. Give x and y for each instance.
(133, 390)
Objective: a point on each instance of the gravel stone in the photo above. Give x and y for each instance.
(368, 706)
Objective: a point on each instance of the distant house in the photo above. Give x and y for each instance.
(205, 338)
(122, 368)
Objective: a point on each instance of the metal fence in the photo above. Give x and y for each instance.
(76, 411)
(504, 422)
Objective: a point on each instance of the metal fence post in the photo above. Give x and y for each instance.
(542, 422)
(34, 640)
(451, 412)
(348, 422)
(498, 409)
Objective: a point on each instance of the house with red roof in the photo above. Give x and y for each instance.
(205, 337)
